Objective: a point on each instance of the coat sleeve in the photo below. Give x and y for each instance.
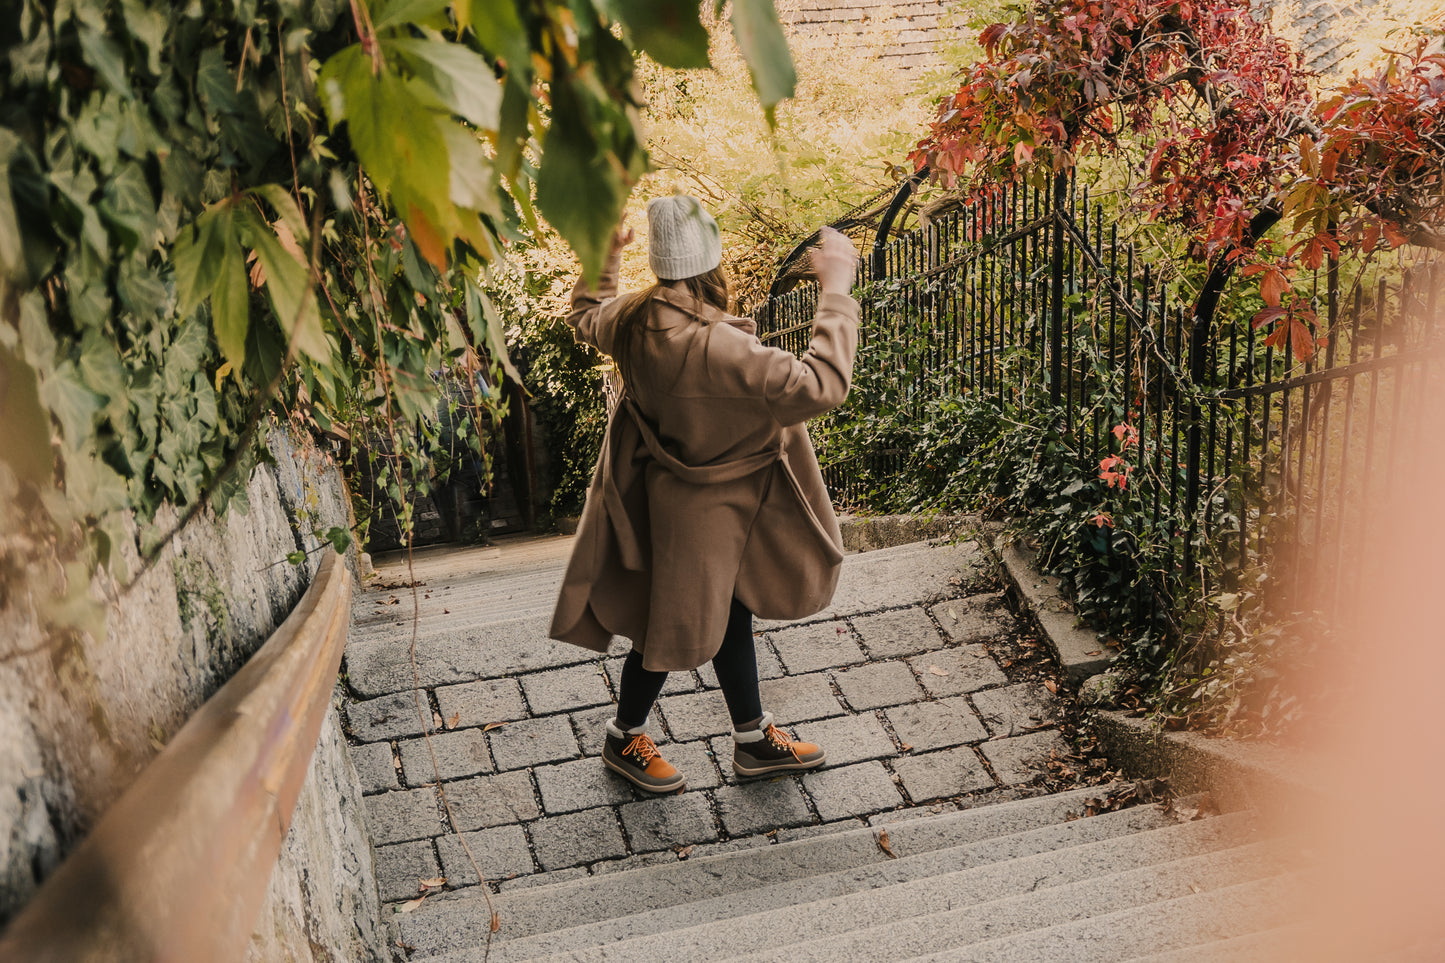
(594, 310)
(797, 389)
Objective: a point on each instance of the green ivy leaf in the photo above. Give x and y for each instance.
(414, 153)
(215, 82)
(197, 256)
(668, 31)
(764, 47)
(286, 210)
(397, 12)
(472, 184)
(293, 297)
(129, 208)
(148, 26)
(66, 394)
(579, 189)
(459, 78)
(500, 32)
(105, 55)
(231, 303)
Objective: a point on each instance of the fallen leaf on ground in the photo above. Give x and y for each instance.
(953, 614)
(492, 725)
(935, 670)
(496, 922)
(683, 852)
(1052, 686)
(434, 883)
(411, 904)
(1095, 652)
(907, 747)
(452, 722)
(884, 845)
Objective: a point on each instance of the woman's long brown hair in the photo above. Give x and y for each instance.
(709, 288)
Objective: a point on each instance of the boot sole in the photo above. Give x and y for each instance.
(675, 785)
(768, 770)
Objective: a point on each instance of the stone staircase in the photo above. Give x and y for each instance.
(1029, 880)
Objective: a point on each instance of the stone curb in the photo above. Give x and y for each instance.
(1238, 774)
(1079, 650)
(864, 533)
(1275, 781)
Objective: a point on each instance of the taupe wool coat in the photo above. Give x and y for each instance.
(707, 486)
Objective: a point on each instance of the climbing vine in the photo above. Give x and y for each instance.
(219, 214)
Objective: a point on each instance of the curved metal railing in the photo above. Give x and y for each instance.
(177, 868)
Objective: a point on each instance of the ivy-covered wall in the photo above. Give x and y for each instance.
(83, 712)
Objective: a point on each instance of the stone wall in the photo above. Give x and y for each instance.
(83, 710)
(906, 32)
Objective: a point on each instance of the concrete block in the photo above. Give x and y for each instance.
(380, 663)
(695, 760)
(501, 852)
(871, 532)
(877, 684)
(396, 817)
(543, 879)
(458, 754)
(796, 698)
(1078, 649)
(612, 867)
(1023, 759)
(900, 632)
(760, 807)
(532, 742)
(852, 791)
(695, 715)
(484, 801)
(561, 690)
(849, 739)
(822, 829)
(388, 717)
(966, 625)
(580, 784)
(1016, 709)
(820, 645)
(953, 672)
(938, 775)
(401, 867)
(375, 767)
(936, 725)
(481, 703)
(591, 727)
(577, 839)
(665, 822)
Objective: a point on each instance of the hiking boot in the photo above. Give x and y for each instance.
(768, 749)
(634, 757)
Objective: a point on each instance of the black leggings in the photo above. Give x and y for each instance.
(736, 665)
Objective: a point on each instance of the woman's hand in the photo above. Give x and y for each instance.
(623, 236)
(834, 261)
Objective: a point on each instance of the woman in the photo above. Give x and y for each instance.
(707, 505)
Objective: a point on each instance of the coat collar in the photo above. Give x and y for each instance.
(692, 308)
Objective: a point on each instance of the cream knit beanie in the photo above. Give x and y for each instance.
(683, 240)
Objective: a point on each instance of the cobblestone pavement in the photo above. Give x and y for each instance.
(908, 681)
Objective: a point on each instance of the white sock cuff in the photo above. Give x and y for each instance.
(755, 735)
(613, 729)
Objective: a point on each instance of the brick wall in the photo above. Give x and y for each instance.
(907, 30)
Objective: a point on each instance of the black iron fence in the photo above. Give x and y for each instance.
(1245, 453)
